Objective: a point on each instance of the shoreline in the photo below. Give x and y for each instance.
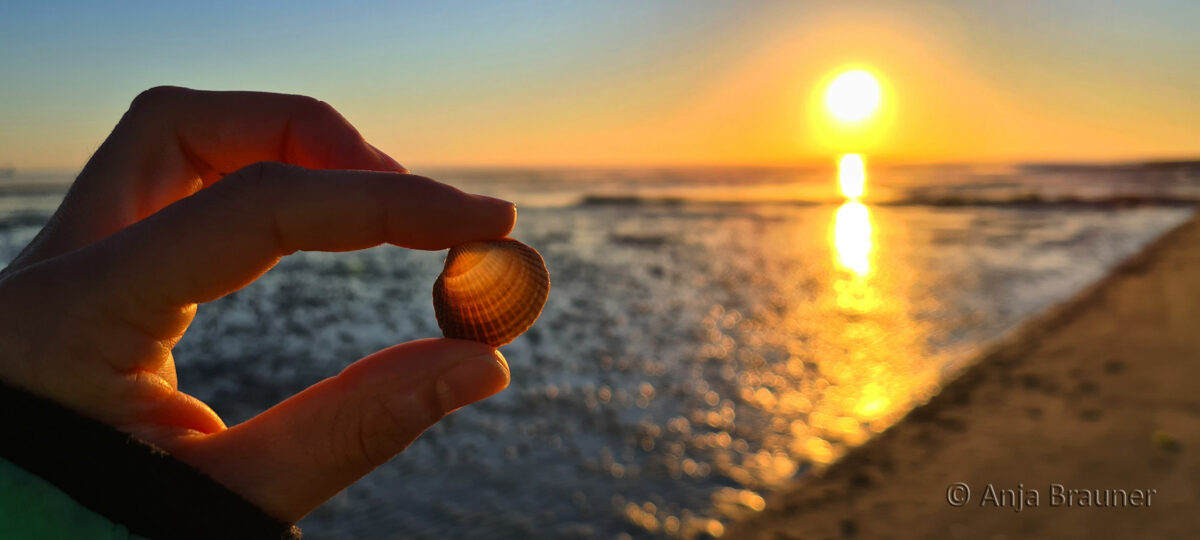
(1098, 395)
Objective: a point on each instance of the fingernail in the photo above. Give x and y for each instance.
(495, 201)
(471, 380)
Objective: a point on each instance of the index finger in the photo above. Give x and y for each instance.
(174, 141)
(222, 131)
(187, 139)
(224, 237)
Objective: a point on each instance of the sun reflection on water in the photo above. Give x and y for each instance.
(857, 359)
(831, 352)
(852, 175)
(852, 238)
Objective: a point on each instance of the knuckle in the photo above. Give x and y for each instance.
(384, 429)
(256, 190)
(317, 107)
(151, 109)
(153, 100)
(261, 177)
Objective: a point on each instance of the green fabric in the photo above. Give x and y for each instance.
(32, 508)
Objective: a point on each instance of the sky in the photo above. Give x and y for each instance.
(629, 83)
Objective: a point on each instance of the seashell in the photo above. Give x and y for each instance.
(490, 292)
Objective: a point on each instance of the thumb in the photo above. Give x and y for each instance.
(296, 455)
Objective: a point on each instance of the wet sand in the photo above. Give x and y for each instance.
(1101, 393)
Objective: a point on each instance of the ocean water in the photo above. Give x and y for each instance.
(711, 334)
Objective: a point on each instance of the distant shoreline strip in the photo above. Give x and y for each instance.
(1026, 201)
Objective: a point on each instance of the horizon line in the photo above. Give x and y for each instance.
(824, 163)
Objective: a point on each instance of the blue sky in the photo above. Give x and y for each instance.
(619, 82)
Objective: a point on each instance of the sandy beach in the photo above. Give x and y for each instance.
(1101, 393)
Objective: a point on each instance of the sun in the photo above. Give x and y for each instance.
(853, 96)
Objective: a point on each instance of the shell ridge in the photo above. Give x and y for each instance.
(490, 291)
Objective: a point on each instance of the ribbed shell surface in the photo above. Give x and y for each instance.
(490, 292)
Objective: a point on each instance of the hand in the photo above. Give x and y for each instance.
(90, 310)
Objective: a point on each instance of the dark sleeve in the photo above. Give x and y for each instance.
(123, 478)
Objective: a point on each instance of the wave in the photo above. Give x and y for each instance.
(8, 187)
(1016, 200)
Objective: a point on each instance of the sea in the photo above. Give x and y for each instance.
(712, 334)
